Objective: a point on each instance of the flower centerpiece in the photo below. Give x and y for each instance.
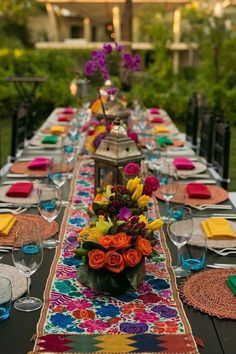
(114, 253)
(132, 197)
(114, 245)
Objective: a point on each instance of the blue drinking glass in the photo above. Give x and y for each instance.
(5, 298)
(193, 256)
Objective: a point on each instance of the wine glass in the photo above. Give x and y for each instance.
(180, 229)
(27, 256)
(49, 206)
(150, 146)
(59, 169)
(168, 192)
(69, 150)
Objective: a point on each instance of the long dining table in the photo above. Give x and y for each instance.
(18, 332)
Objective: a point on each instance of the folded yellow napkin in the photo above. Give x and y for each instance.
(161, 129)
(6, 223)
(217, 227)
(57, 129)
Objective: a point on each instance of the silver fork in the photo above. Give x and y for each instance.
(211, 206)
(13, 211)
(196, 175)
(224, 251)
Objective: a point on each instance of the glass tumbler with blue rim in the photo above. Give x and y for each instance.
(5, 298)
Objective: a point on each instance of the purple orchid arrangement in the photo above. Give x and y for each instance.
(98, 63)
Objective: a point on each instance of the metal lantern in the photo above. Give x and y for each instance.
(114, 152)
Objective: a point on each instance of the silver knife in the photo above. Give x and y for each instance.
(19, 175)
(221, 266)
(217, 215)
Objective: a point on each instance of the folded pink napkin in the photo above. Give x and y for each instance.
(157, 120)
(68, 110)
(39, 163)
(198, 190)
(154, 110)
(182, 163)
(20, 190)
(64, 119)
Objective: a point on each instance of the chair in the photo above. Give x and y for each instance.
(19, 129)
(192, 121)
(207, 135)
(221, 152)
(26, 88)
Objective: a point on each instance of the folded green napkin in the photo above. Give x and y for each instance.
(231, 282)
(50, 139)
(164, 140)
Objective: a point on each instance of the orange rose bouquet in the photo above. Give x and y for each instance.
(114, 253)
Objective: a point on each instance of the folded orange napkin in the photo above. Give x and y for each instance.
(57, 129)
(198, 190)
(20, 190)
(217, 227)
(7, 221)
(161, 129)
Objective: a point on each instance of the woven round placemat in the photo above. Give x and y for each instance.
(198, 237)
(218, 195)
(31, 199)
(18, 280)
(207, 291)
(37, 141)
(27, 227)
(22, 167)
(169, 168)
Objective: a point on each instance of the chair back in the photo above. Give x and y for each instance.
(192, 121)
(207, 135)
(19, 129)
(222, 151)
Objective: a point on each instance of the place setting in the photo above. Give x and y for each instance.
(46, 141)
(196, 194)
(40, 166)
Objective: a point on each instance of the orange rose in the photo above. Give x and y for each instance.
(121, 240)
(96, 258)
(144, 246)
(132, 257)
(114, 262)
(106, 241)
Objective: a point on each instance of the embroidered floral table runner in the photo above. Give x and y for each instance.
(76, 319)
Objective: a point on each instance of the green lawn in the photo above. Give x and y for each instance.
(5, 131)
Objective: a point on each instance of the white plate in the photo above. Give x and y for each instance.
(31, 199)
(18, 280)
(198, 236)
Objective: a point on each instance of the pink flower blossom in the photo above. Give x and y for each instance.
(78, 304)
(146, 317)
(131, 169)
(133, 136)
(94, 325)
(151, 184)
